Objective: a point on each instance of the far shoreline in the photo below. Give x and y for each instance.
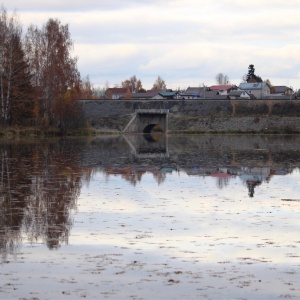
(52, 132)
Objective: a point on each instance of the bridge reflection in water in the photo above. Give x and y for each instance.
(145, 145)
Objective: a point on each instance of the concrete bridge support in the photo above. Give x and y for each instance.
(144, 120)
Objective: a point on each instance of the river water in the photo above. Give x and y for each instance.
(150, 217)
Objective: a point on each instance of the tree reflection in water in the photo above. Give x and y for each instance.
(39, 183)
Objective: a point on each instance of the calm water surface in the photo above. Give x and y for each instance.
(150, 217)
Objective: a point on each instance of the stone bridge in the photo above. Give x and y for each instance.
(209, 115)
(146, 120)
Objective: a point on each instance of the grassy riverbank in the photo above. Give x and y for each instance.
(39, 131)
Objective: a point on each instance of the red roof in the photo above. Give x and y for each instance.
(221, 175)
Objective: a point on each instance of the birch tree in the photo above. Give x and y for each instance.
(86, 88)
(222, 79)
(159, 84)
(133, 84)
(55, 73)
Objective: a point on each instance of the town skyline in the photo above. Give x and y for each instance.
(185, 42)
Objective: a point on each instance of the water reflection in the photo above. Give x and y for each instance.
(148, 145)
(41, 180)
(253, 159)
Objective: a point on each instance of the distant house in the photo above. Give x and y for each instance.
(281, 90)
(147, 95)
(116, 93)
(212, 95)
(153, 94)
(258, 89)
(238, 95)
(184, 95)
(169, 95)
(194, 90)
(196, 93)
(201, 93)
(223, 90)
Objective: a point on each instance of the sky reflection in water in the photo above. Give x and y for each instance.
(197, 217)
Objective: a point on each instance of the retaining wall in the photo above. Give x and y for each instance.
(198, 115)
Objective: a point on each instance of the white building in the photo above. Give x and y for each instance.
(238, 95)
(258, 89)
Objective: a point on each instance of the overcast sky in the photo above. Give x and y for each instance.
(186, 42)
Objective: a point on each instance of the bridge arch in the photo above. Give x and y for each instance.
(150, 127)
(145, 120)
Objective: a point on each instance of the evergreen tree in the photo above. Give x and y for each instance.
(22, 104)
(251, 72)
(251, 77)
(15, 88)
